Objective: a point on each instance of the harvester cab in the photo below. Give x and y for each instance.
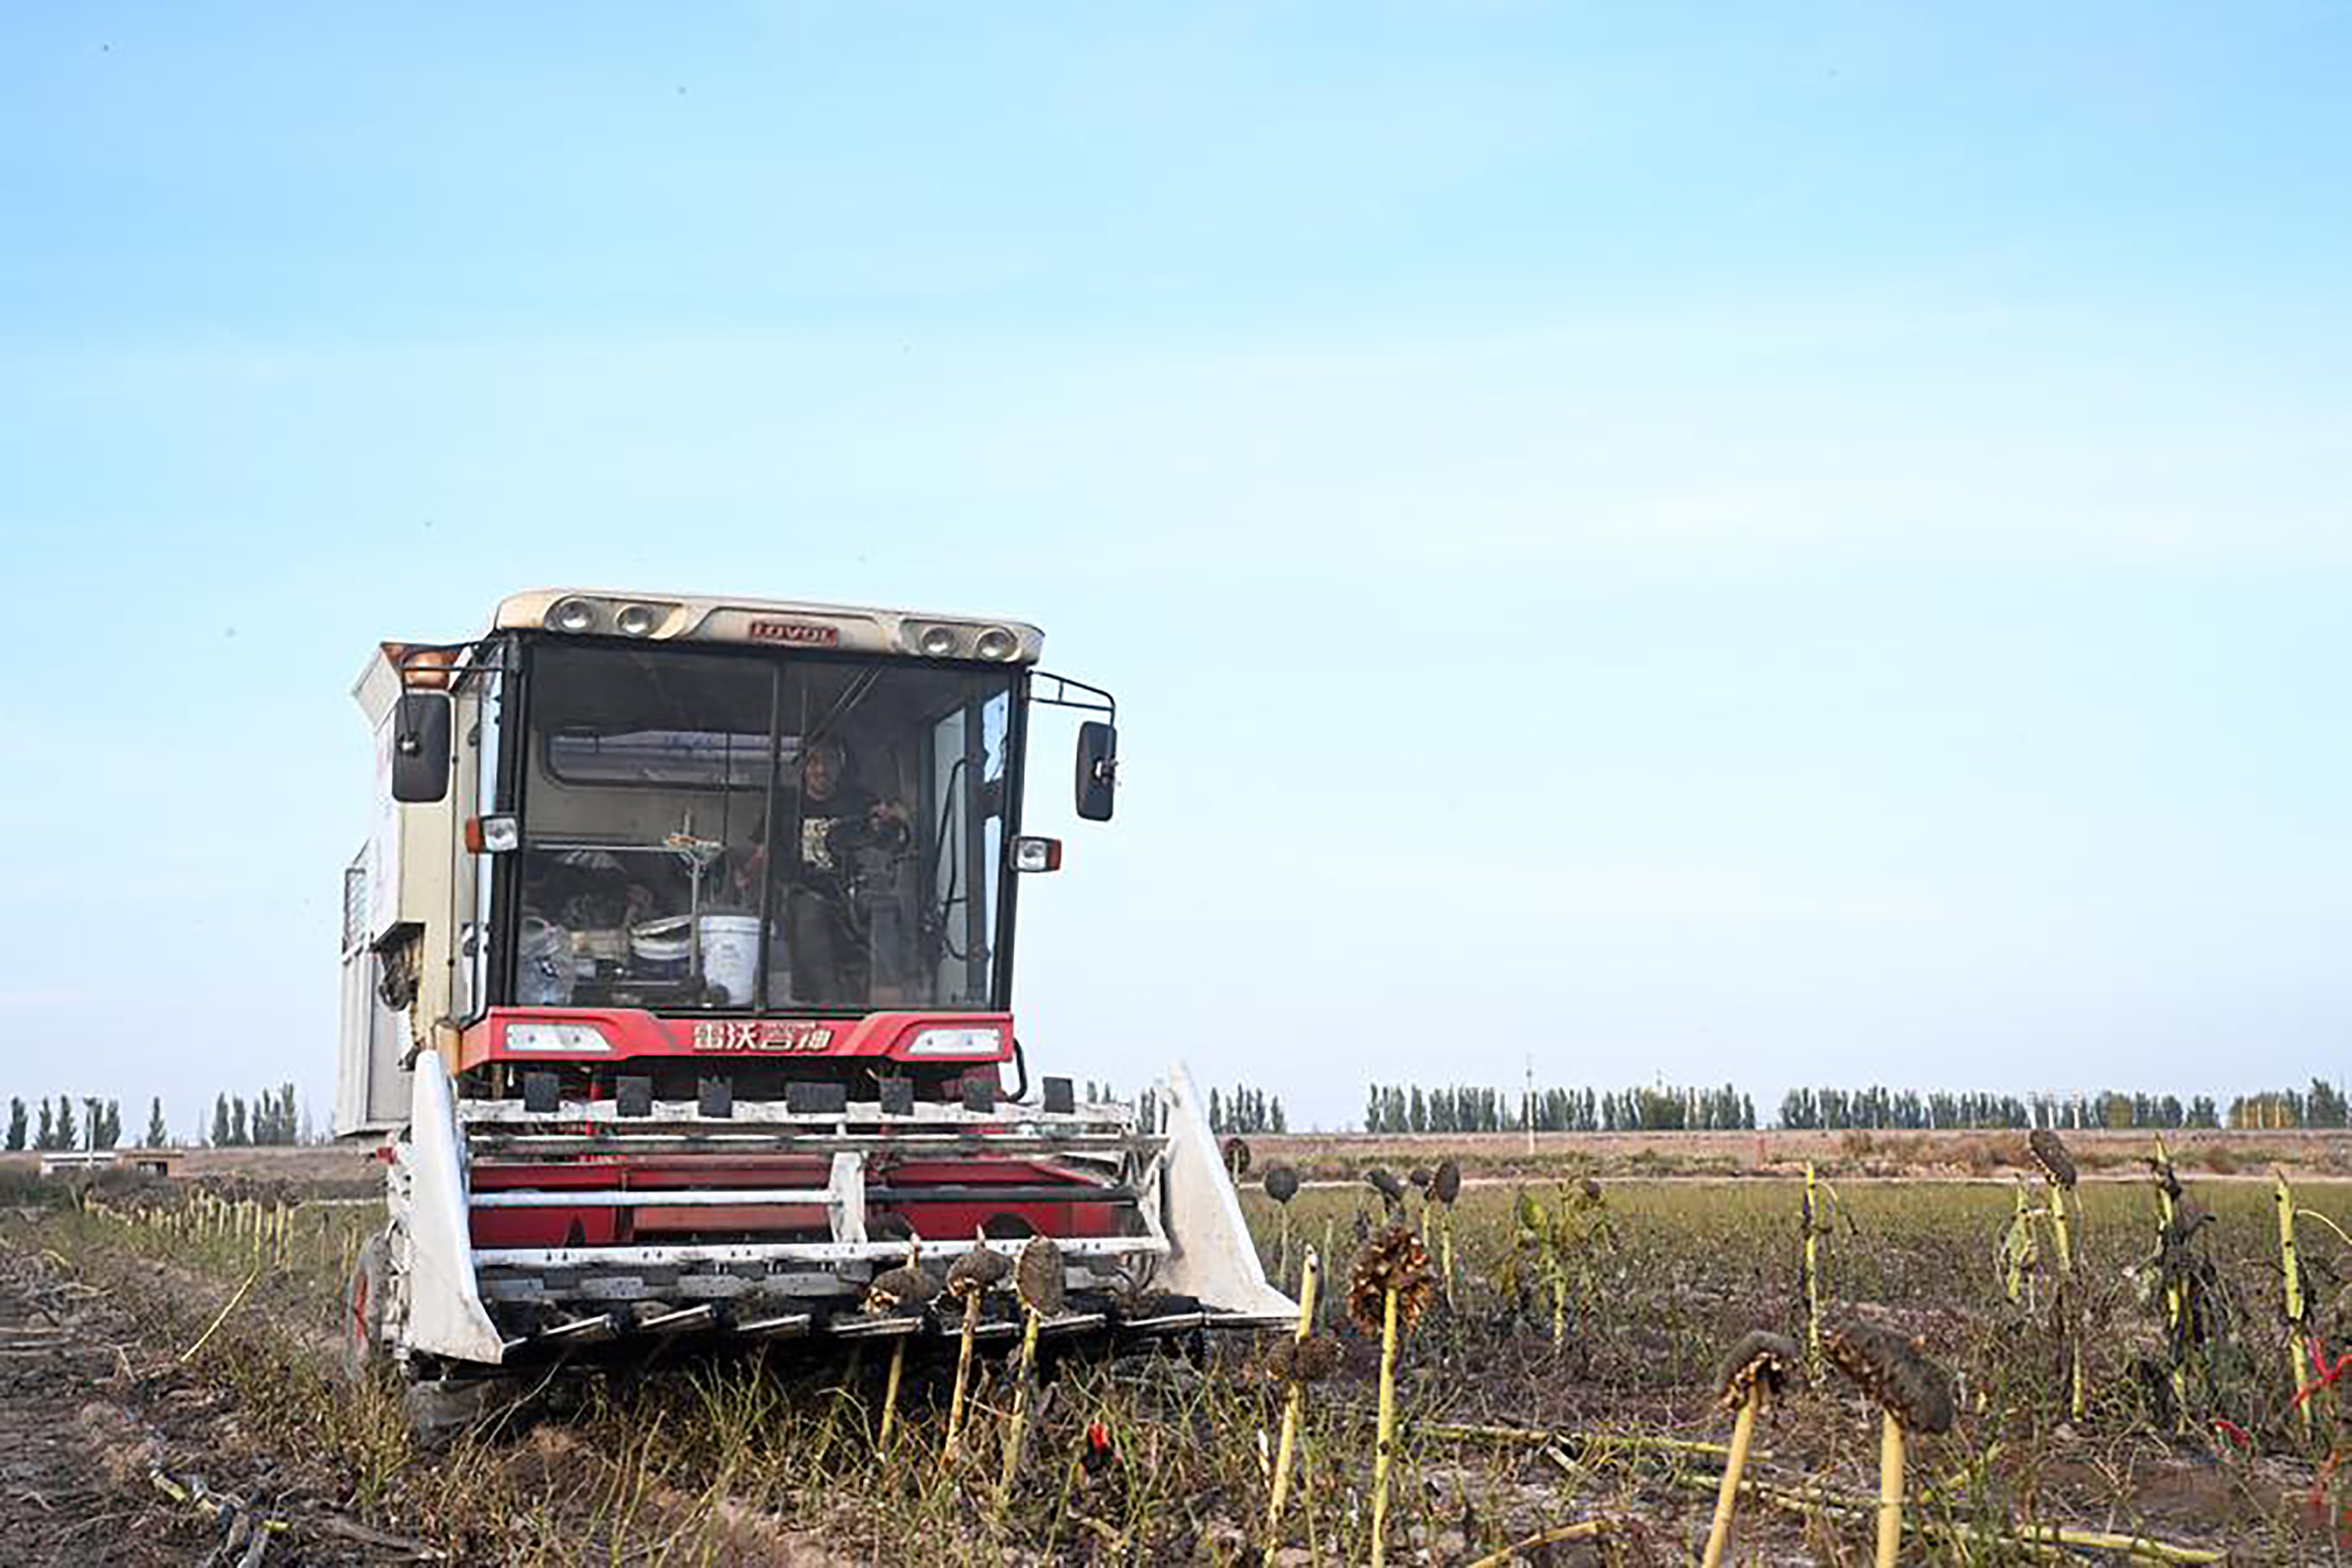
(677, 981)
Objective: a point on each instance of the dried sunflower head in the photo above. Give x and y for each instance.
(1445, 1186)
(1281, 1182)
(1379, 1179)
(2051, 1156)
(1310, 1359)
(1236, 1151)
(907, 1287)
(1761, 1360)
(1038, 1276)
(1907, 1386)
(977, 1272)
(1392, 1260)
(1419, 1177)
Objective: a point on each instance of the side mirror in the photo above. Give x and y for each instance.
(1097, 769)
(420, 748)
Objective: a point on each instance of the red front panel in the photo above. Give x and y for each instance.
(627, 1033)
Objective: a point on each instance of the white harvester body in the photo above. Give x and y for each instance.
(678, 985)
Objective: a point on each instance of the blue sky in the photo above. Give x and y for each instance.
(1804, 546)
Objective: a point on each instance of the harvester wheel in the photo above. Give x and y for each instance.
(441, 1410)
(363, 1353)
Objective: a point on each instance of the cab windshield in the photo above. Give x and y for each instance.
(723, 830)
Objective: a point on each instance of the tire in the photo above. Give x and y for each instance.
(365, 1353)
(442, 1410)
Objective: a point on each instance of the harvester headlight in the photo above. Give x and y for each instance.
(572, 1037)
(955, 1043)
(499, 835)
(939, 642)
(572, 616)
(997, 643)
(637, 620)
(1030, 854)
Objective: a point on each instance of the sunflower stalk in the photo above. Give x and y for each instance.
(1293, 1407)
(1812, 1269)
(890, 1394)
(2290, 1270)
(963, 1372)
(1038, 1278)
(1385, 1452)
(1890, 1489)
(2049, 1151)
(2018, 1247)
(2064, 1233)
(970, 1277)
(2176, 1302)
(1391, 1285)
(1751, 1376)
(1016, 1435)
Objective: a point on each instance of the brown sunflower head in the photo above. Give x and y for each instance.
(1392, 1260)
(1890, 1369)
(977, 1272)
(1763, 1361)
(1038, 1276)
(1446, 1184)
(1310, 1359)
(1236, 1151)
(2051, 1154)
(1281, 1182)
(908, 1288)
(1381, 1180)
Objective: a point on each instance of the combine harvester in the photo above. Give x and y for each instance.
(678, 977)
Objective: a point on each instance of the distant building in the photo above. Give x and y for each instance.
(164, 1163)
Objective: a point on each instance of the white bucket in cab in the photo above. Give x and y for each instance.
(730, 956)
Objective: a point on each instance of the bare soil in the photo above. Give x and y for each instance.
(100, 1428)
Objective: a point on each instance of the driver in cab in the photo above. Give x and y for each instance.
(829, 916)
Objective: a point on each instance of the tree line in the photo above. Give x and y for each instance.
(1245, 1109)
(99, 1126)
(273, 1117)
(1475, 1107)
(272, 1121)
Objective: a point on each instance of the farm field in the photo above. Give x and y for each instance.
(168, 1378)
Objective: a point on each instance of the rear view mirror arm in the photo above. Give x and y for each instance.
(1060, 697)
